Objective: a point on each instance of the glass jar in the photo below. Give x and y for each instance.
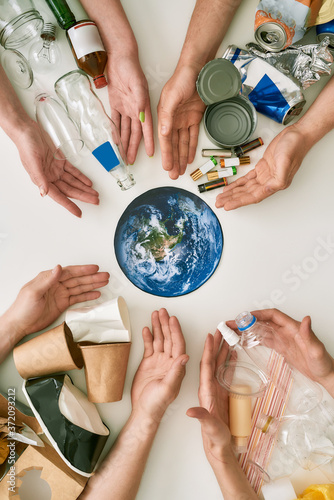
(19, 23)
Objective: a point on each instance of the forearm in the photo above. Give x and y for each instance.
(231, 478)
(13, 118)
(114, 27)
(9, 337)
(319, 118)
(120, 474)
(208, 26)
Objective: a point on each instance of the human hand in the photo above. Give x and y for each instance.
(56, 178)
(272, 173)
(298, 344)
(180, 111)
(213, 398)
(159, 375)
(130, 103)
(43, 299)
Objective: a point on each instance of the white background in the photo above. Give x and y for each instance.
(263, 244)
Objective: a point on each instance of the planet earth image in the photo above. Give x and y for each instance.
(168, 242)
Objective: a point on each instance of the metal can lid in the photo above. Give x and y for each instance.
(218, 80)
(229, 122)
(271, 36)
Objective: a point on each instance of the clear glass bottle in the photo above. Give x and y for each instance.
(59, 131)
(44, 55)
(20, 22)
(97, 130)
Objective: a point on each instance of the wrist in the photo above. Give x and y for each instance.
(328, 382)
(9, 331)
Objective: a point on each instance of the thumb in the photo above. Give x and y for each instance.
(176, 373)
(46, 279)
(305, 329)
(41, 181)
(210, 425)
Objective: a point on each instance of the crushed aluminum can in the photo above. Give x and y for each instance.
(306, 63)
(279, 24)
(273, 93)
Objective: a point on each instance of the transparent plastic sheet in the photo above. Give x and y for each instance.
(306, 63)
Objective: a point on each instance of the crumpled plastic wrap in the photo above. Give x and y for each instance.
(306, 63)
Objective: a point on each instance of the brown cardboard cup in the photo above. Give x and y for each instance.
(105, 368)
(51, 352)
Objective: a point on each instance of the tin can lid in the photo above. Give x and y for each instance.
(229, 122)
(218, 80)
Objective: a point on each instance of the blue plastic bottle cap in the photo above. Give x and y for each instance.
(244, 321)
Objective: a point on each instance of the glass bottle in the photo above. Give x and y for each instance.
(85, 41)
(19, 23)
(44, 55)
(62, 12)
(97, 130)
(59, 131)
(88, 50)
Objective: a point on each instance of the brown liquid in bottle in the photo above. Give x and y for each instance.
(88, 50)
(94, 64)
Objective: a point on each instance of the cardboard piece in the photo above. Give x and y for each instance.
(106, 322)
(105, 369)
(64, 483)
(53, 351)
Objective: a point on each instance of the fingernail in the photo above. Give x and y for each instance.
(164, 129)
(42, 192)
(54, 270)
(142, 116)
(184, 361)
(151, 156)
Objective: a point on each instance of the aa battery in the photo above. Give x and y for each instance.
(208, 186)
(241, 150)
(224, 172)
(220, 153)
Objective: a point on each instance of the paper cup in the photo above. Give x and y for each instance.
(105, 368)
(53, 351)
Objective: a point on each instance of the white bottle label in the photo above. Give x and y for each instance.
(85, 38)
(231, 162)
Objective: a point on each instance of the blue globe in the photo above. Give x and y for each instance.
(168, 242)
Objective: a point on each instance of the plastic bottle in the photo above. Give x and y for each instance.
(97, 130)
(247, 348)
(85, 41)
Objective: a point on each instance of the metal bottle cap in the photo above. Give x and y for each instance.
(218, 80)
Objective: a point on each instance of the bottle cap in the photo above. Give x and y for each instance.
(244, 321)
(229, 335)
(100, 82)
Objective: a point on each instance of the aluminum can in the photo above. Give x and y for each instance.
(272, 93)
(278, 24)
(326, 29)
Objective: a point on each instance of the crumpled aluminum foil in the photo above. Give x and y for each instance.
(306, 63)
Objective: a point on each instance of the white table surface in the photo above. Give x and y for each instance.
(264, 246)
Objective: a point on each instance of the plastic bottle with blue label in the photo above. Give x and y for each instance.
(97, 130)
